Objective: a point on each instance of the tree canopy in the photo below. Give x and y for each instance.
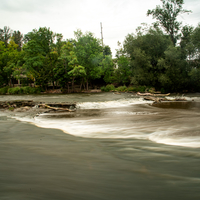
(167, 16)
(151, 56)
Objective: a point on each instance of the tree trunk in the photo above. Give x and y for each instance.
(82, 84)
(87, 85)
(73, 84)
(68, 87)
(53, 85)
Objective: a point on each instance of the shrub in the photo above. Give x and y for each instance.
(132, 89)
(35, 90)
(103, 89)
(122, 89)
(108, 88)
(137, 89)
(15, 90)
(30, 90)
(162, 90)
(23, 90)
(4, 90)
(141, 88)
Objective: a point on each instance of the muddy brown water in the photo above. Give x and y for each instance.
(113, 147)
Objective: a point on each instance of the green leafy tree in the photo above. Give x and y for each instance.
(59, 43)
(175, 76)
(196, 41)
(107, 51)
(123, 72)
(186, 44)
(3, 76)
(62, 67)
(107, 65)
(5, 35)
(20, 72)
(12, 56)
(9, 57)
(190, 47)
(76, 69)
(194, 62)
(144, 50)
(17, 36)
(40, 55)
(143, 69)
(167, 16)
(89, 53)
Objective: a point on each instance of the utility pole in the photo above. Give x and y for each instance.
(101, 33)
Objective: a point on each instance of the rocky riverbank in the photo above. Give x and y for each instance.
(21, 105)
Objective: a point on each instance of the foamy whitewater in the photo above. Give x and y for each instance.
(127, 118)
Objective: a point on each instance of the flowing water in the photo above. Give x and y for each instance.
(112, 147)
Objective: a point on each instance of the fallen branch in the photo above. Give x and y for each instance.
(155, 99)
(159, 100)
(54, 108)
(150, 94)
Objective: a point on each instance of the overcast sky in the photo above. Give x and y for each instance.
(119, 17)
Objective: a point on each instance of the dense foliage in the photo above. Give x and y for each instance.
(164, 56)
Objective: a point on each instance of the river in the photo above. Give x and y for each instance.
(112, 147)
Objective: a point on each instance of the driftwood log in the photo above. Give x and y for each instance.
(150, 94)
(61, 105)
(158, 100)
(55, 108)
(155, 99)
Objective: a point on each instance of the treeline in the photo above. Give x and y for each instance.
(165, 56)
(44, 58)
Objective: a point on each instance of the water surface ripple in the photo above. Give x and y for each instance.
(113, 147)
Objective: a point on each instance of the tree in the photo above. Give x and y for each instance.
(107, 66)
(62, 67)
(17, 37)
(40, 55)
(107, 51)
(123, 72)
(3, 76)
(76, 69)
(5, 35)
(9, 57)
(89, 53)
(187, 47)
(167, 16)
(142, 68)
(175, 77)
(144, 50)
(195, 60)
(196, 41)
